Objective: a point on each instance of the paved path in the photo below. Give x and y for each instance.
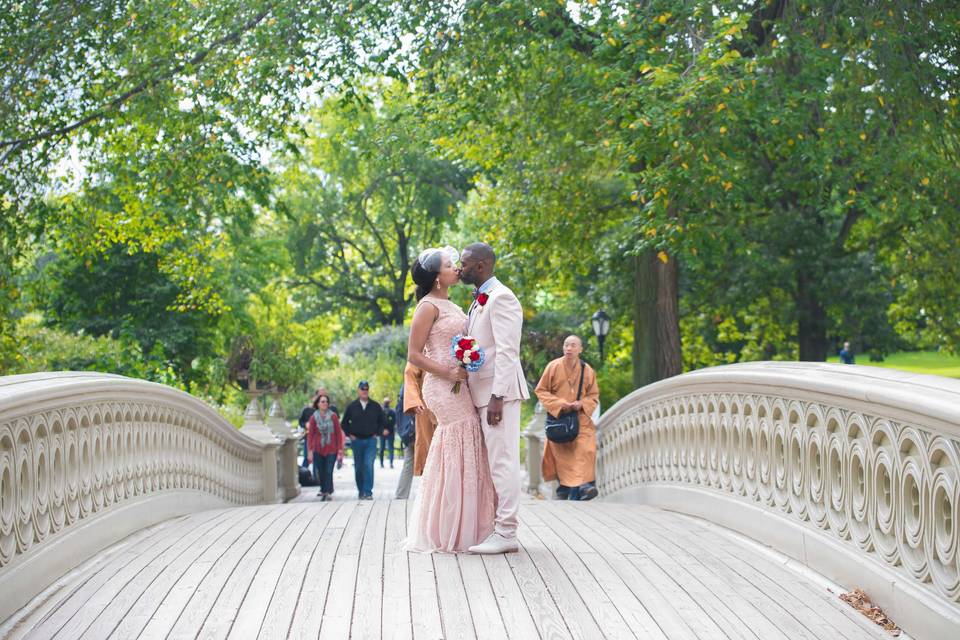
(345, 487)
(335, 570)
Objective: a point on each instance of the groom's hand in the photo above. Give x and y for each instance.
(495, 410)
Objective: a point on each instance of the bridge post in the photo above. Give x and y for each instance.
(534, 436)
(289, 477)
(255, 428)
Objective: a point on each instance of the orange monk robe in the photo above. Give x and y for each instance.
(426, 423)
(572, 463)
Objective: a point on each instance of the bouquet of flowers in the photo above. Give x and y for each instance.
(468, 354)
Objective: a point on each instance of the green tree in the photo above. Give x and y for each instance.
(368, 193)
(159, 112)
(784, 143)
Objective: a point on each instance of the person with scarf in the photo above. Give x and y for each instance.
(324, 444)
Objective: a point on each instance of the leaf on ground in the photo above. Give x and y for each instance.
(861, 602)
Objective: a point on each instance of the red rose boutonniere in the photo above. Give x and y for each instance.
(482, 300)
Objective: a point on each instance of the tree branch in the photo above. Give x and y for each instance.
(140, 88)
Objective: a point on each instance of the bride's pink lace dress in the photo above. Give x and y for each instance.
(456, 504)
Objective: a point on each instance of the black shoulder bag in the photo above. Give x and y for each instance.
(566, 426)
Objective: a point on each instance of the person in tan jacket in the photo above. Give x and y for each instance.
(426, 423)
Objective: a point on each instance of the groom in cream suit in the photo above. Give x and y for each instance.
(495, 319)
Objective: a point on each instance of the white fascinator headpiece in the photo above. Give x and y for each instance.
(432, 259)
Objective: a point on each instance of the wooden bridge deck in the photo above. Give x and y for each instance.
(334, 570)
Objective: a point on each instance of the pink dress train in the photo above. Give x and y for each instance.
(456, 504)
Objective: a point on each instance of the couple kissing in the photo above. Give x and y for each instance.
(473, 384)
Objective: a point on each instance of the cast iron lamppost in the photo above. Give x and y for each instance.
(601, 327)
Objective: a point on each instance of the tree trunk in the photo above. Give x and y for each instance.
(644, 320)
(669, 356)
(811, 320)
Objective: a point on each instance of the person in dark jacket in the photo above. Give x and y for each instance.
(362, 421)
(386, 436)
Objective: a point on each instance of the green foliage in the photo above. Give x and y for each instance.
(383, 371)
(388, 341)
(368, 193)
(123, 293)
(49, 349)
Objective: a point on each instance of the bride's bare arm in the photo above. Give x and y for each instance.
(423, 319)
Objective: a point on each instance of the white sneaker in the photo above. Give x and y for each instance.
(495, 543)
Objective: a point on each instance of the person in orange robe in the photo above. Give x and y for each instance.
(572, 463)
(426, 423)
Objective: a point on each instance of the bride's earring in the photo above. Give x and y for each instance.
(438, 283)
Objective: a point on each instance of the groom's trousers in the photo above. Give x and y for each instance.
(503, 452)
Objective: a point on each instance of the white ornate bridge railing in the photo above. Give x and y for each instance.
(853, 471)
(88, 458)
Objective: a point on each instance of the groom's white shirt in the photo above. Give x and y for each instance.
(497, 326)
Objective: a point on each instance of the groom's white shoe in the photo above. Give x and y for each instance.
(496, 543)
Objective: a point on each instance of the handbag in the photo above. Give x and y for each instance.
(566, 426)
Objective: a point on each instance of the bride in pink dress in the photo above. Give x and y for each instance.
(455, 507)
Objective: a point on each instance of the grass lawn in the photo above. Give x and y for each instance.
(931, 362)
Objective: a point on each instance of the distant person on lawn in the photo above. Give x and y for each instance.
(846, 354)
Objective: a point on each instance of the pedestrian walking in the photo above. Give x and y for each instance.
(362, 420)
(387, 435)
(325, 442)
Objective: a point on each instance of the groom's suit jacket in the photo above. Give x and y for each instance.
(497, 326)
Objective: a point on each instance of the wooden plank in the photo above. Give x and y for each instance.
(338, 610)
(424, 603)
(157, 592)
(247, 618)
(25, 621)
(73, 599)
(484, 608)
(454, 607)
(368, 594)
(186, 604)
(641, 623)
(717, 608)
(697, 615)
(666, 564)
(546, 616)
(601, 608)
(781, 602)
(215, 602)
(679, 559)
(279, 614)
(308, 612)
(124, 591)
(616, 551)
(768, 563)
(396, 623)
(510, 601)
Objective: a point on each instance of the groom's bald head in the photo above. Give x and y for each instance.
(481, 251)
(476, 263)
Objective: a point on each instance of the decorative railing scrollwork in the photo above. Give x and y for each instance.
(856, 460)
(75, 447)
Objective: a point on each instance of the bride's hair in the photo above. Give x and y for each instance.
(423, 279)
